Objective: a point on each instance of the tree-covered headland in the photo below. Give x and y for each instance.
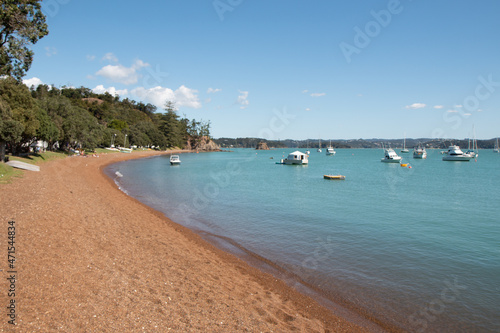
(79, 118)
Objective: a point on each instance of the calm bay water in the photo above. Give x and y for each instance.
(418, 248)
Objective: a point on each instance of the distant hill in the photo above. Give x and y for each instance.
(356, 143)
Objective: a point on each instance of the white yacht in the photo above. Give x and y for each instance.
(297, 158)
(175, 160)
(419, 152)
(496, 149)
(319, 146)
(405, 150)
(330, 150)
(454, 153)
(391, 156)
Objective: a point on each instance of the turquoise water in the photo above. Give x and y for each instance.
(417, 248)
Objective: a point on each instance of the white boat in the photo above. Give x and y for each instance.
(175, 160)
(419, 152)
(474, 151)
(297, 158)
(391, 156)
(329, 150)
(454, 153)
(125, 150)
(23, 165)
(496, 149)
(404, 150)
(319, 146)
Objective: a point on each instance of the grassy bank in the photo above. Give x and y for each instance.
(7, 173)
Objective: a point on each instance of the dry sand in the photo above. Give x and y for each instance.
(91, 259)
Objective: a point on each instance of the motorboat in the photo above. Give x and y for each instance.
(454, 153)
(175, 160)
(329, 150)
(391, 156)
(295, 158)
(419, 152)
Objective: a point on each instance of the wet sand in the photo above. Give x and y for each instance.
(90, 258)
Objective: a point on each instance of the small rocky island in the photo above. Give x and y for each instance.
(262, 146)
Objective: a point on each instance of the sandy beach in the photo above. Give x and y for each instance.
(90, 258)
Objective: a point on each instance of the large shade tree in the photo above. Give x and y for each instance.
(22, 24)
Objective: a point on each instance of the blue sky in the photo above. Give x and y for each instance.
(288, 69)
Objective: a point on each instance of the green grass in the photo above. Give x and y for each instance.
(39, 158)
(102, 150)
(8, 173)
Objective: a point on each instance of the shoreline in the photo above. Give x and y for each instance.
(102, 260)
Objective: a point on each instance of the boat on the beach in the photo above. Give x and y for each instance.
(334, 177)
(23, 165)
(125, 150)
(390, 156)
(419, 152)
(175, 160)
(454, 153)
(295, 158)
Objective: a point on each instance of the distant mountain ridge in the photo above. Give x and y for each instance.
(354, 143)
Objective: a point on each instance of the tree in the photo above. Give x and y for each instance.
(21, 23)
(170, 126)
(19, 109)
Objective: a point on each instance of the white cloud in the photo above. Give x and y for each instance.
(110, 57)
(438, 106)
(458, 106)
(90, 57)
(112, 90)
(308, 109)
(158, 96)
(415, 106)
(317, 94)
(452, 111)
(213, 91)
(34, 81)
(50, 51)
(122, 74)
(243, 99)
(305, 91)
